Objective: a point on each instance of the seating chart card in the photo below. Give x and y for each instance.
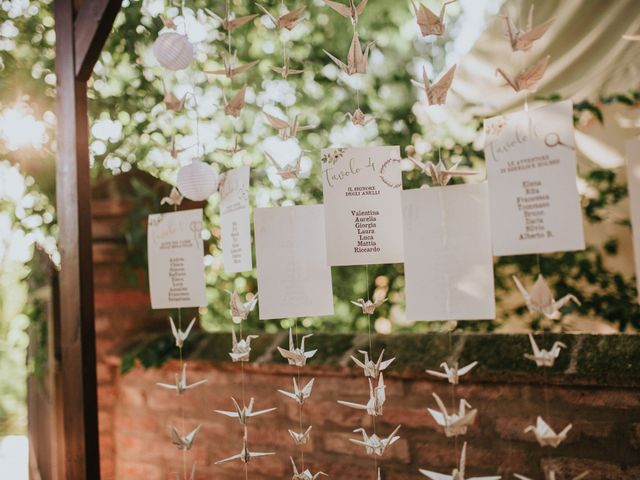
(447, 247)
(294, 279)
(633, 179)
(362, 205)
(235, 222)
(531, 166)
(176, 259)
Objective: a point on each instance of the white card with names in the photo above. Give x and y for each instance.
(176, 259)
(363, 215)
(633, 181)
(531, 167)
(447, 246)
(294, 279)
(235, 224)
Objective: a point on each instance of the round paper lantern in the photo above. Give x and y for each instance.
(173, 51)
(197, 181)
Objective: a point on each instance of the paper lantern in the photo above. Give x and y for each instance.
(173, 51)
(197, 181)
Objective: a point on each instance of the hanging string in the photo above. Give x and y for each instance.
(372, 358)
(299, 404)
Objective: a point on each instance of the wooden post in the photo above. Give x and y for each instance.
(81, 30)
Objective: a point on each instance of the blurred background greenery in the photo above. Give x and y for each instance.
(131, 129)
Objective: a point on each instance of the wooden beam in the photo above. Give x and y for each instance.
(77, 369)
(92, 26)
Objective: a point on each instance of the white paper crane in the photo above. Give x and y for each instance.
(305, 474)
(178, 334)
(289, 171)
(370, 368)
(373, 444)
(245, 454)
(301, 438)
(458, 473)
(184, 442)
(241, 349)
(245, 413)
(456, 423)
(540, 299)
(298, 394)
(192, 476)
(368, 306)
(174, 199)
(181, 384)
(453, 373)
(376, 401)
(545, 435)
(439, 173)
(297, 356)
(542, 357)
(239, 310)
(551, 475)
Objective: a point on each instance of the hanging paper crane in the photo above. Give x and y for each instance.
(356, 58)
(529, 78)
(522, 40)
(429, 22)
(436, 93)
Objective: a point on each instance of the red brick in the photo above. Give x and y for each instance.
(598, 470)
(137, 471)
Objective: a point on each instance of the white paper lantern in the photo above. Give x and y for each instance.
(173, 51)
(197, 181)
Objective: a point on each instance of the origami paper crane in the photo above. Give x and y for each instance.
(245, 454)
(373, 444)
(285, 129)
(551, 475)
(192, 476)
(304, 475)
(372, 369)
(168, 23)
(368, 307)
(429, 22)
(241, 349)
(171, 101)
(174, 199)
(542, 357)
(301, 438)
(245, 413)
(288, 172)
(240, 311)
(437, 92)
(178, 334)
(234, 106)
(376, 401)
(545, 435)
(359, 118)
(350, 11)
(230, 70)
(458, 473)
(286, 70)
(456, 423)
(181, 384)
(540, 299)
(186, 442)
(297, 356)
(356, 58)
(287, 21)
(299, 395)
(439, 173)
(453, 373)
(522, 40)
(229, 23)
(233, 150)
(527, 79)
(174, 151)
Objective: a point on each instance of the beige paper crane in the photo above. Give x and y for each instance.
(368, 306)
(230, 69)
(168, 22)
(286, 70)
(174, 199)
(522, 40)
(305, 474)
(237, 148)
(437, 92)
(375, 445)
(239, 310)
(174, 151)
(241, 349)
(181, 384)
(439, 173)
(297, 356)
(179, 335)
(234, 106)
(545, 435)
(527, 79)
(171, 101)
(184, 442)
(429, 22)
(453, 373)
(350, 10)
(286, 129)
(287, 172)
(370, 368)
(540, 299)
(542, 357)
(359, 118)
(458, 473)
(245, 413)
(245, 454)
(301, 438)
(453, 424)
(287, 21)
(228, 22)
(356, 58)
